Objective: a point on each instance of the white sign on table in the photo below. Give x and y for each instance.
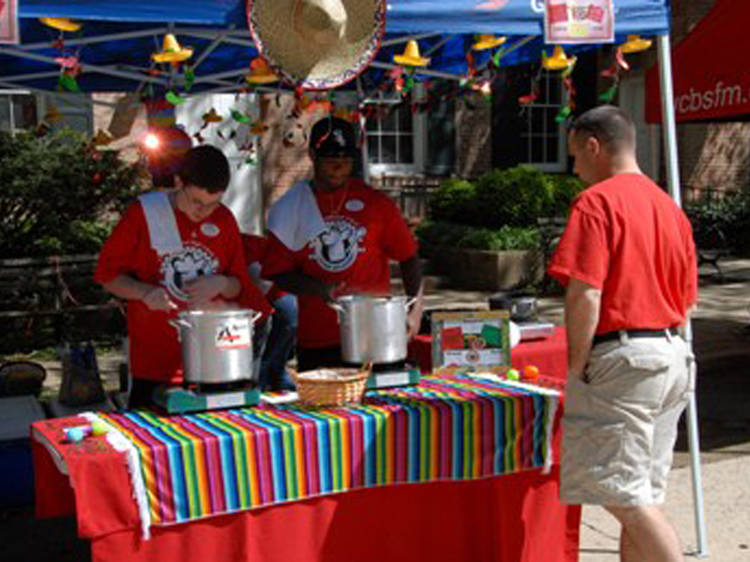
(579, 21)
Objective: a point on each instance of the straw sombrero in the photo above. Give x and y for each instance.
(260, 73)
(172, 51)
(317, 44)
(485, 42)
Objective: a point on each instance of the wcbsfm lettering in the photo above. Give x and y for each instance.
(719, 96)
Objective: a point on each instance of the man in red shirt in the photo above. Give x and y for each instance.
(336, 235)
(205, 267)
(627, 260)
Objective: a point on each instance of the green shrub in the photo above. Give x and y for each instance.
(454, 201)
(433, 235)
(517, 197)
(513, 197)
(59, 194)
(721, 222)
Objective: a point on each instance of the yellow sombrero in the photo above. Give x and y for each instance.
(558, 60)
(485, 42)
(635, 44)
(171, 51)
(260, 72)
(411, 56)
(212, 116)
(63, 24)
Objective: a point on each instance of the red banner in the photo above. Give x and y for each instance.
(9, 21)
(710, 79)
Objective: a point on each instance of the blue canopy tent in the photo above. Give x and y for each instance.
(119, 36)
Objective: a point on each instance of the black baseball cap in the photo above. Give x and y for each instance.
(332, 136)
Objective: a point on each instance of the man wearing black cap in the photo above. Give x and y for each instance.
(336, 235)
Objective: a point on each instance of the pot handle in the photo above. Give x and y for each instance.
(340, 310)
(178, 323)
(256, 317)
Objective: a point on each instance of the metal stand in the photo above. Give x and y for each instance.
(669, 129)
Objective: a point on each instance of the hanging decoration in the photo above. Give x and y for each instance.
(101, 138)
(61, 24)
(567, 111)
(533, 95)
(260, 72)
(558, 60)
(171, 51)
(174, 98)
(411, 56)
(70, 68)
(485, 42)
(634, 44)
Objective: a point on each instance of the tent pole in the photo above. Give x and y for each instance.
(673, 184)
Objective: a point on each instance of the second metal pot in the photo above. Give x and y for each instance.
(373, 328)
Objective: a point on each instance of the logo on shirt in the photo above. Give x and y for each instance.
(354, 205)
(337, 247)
(209, 229)
(192, 262)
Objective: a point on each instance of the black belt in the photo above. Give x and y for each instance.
(612, 336)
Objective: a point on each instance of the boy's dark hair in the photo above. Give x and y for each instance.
(609, 124)
(205, 167)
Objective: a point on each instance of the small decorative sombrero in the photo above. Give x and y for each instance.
(101, 138)
(411, 56)
(317, 44)
(260, 73)
(63, 24)
(635, 44)
(485, 42)
(558, 60)
(171, 51)
(212, 116)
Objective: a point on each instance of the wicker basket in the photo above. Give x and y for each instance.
(347, 387)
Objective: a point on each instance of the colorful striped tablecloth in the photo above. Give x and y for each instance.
(448, 428)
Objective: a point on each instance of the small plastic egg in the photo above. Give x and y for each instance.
(531, 372)
(75, 434)
(99, 428)
(513, 375)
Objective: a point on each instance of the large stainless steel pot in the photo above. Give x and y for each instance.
(217, 346)
(373, 328)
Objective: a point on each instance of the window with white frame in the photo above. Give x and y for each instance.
(544, 139)
(18, 110)
(395, 135)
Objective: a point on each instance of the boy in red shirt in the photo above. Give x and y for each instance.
(336, 235)
(627, 260)
(204, 266)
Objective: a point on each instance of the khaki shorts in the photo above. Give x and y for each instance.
(620, 426)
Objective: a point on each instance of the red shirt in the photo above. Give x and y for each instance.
(628, 238)
(211, 247)
(255, 251)
(364, 230)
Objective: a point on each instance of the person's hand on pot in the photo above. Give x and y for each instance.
(203, 290)
(157, 298)
(414, 318)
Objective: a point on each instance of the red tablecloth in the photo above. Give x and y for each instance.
(510, 518)
(550, 354)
